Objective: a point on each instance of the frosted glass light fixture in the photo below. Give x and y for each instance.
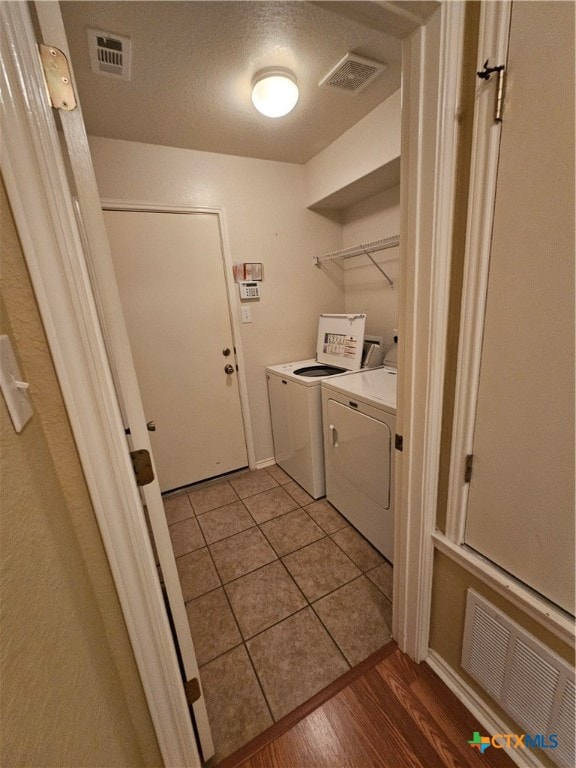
(274, 91)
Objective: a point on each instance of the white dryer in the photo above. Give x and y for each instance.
(296, 403)
(359, 414)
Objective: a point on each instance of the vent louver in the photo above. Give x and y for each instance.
(530, 682)
(352, 73)
(110, 54)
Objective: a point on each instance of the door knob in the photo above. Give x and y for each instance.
(151, 426)
(226, 352)
(229, 369)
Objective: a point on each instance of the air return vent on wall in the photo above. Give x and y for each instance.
(353, 73)
(110, 54)
(531, 683)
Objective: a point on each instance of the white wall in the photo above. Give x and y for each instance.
(267, 221)
(368, 147)
(366, 290)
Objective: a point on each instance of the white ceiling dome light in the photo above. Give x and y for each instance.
(274, 91)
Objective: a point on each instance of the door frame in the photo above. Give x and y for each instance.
(231, 293)
(432, 64)
(37, 186)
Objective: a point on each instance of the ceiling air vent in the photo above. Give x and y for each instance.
(353, 73)
(110, 54)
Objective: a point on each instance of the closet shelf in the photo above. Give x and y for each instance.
(364, 249)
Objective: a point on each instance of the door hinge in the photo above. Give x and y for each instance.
(399, 442)
(192, 690)
(500, 71)
(57, 78)
(468, 468)
(142, 464)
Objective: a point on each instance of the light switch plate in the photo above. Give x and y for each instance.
(246, 314)
(15, 390)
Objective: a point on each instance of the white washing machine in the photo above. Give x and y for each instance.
(295, 399)
(359, 414)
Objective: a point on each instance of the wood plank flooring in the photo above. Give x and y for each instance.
(395, 714)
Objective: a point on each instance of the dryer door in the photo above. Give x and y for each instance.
(360, 450)
(358, 472)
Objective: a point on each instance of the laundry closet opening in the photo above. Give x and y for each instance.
(285, 586)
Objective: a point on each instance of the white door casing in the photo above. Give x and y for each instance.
(111, 318)
(171, 278)
(37, 186)
(431, 72)
(95, 258)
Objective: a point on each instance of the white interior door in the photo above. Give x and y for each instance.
(171, 279)
(520, 511)
(99, 262)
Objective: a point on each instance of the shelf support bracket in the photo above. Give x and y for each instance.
(379, 268)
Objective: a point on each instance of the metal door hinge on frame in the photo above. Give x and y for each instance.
(142, 464)
(468, 468)
(57, 78)
(192, 690)
(500, 71)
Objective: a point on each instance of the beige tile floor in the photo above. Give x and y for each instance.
(282, 594)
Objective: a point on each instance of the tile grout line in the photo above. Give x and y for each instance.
(244, 640)
(257, 676)
(357, 578)
(300, 610)
(277, 558)
(325, 535)
(309, 604)
(247, 651)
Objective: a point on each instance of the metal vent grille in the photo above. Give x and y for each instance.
(530, 672)
(489, 641)
(353, 73)
(565, 727)
(110, 54)
(531, 683)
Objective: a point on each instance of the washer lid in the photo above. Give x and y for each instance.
(340, 340)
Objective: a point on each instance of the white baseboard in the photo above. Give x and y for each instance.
(265, 463)
(492, 722)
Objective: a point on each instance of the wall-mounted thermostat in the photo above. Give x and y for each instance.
(249, 289)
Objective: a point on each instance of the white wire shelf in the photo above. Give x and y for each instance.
(364, 249)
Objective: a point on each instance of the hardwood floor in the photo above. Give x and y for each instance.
(394, 714)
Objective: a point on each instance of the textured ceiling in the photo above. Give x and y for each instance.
(192, 65)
